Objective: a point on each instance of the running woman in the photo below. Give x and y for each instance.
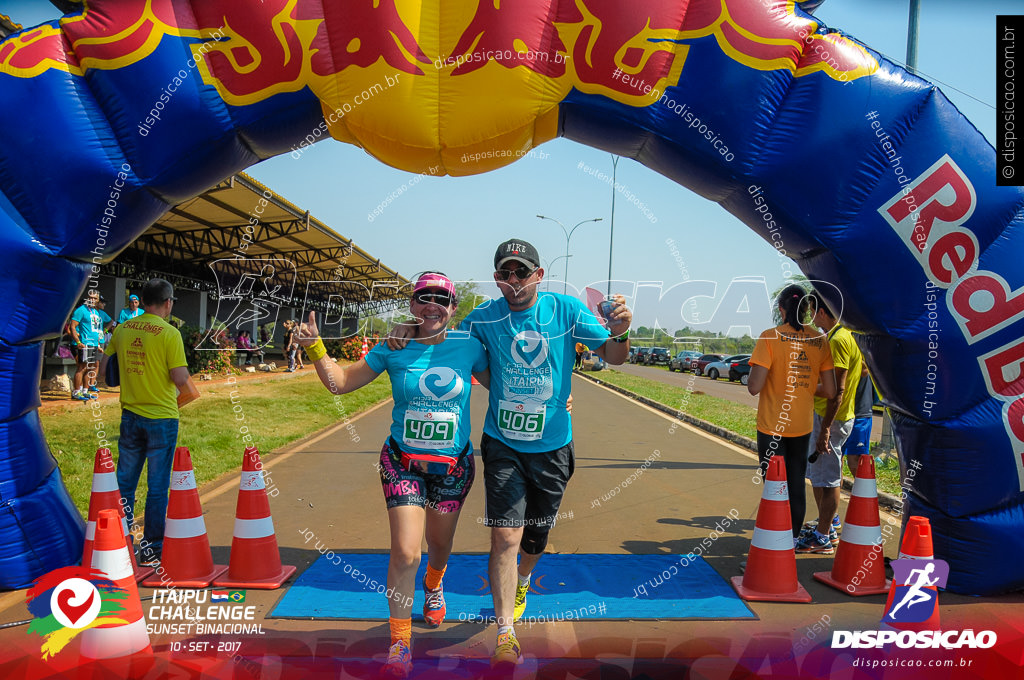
(426, 465)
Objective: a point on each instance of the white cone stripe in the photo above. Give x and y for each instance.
(865, 488)
(904, 556)
(114, 643)
(775, 491)
(90, 530)
(185, 528)
(766, 539)
(254, 528)
(251, 481)
(103, 482)
(183, 480)
(116, 564)
(861, 535)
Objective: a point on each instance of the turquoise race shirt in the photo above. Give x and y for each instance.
(531, 356)
(430, 385)
(90, 325)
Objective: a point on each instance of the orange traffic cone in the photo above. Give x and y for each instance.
(859, 568)
(106, 496)
(255, 559)
(917, 545)
(365, 349)
(118, 644)
(771, 563)
(186, 560)
(474, 381)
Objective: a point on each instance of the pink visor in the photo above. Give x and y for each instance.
(435, 281)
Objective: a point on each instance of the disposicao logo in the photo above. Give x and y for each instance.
(915, 599)
(68, 601)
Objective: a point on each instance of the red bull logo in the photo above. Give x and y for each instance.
(483, 75)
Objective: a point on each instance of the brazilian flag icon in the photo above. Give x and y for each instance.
(237, 596)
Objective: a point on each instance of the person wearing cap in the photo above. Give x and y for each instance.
(426, 464)
(131, 311)
(527, 447)
(153, 370)
(87, 328)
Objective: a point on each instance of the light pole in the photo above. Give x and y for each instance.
(552, 262)
(611, 235)
(568, 236)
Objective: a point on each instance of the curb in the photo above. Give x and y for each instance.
(891, 503)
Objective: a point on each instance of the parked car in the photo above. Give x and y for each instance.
(740, 370)
(683, 361)
(592, 362)
(641, 355)
(657, 355)
(719, 368)
(703, 360)
(632, 353)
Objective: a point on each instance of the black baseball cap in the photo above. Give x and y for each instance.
(516, 249)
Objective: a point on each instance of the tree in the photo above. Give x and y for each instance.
(798, 279)
(469, 298)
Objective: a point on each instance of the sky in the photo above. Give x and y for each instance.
(454, 224)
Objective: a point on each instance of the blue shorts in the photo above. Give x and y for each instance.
(859, 441)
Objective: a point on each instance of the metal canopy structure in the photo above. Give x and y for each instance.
(239, 222)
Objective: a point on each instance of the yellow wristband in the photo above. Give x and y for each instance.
(316, 351)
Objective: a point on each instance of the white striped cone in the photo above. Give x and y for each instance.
(114, 643)
(859, 567)
(771, 563)
(106, 496)
(255, 559)
(186, 560)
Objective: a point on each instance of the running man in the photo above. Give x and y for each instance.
(914, 593)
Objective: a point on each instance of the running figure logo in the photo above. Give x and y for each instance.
(916, 595)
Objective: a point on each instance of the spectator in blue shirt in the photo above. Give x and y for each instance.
(131, 311)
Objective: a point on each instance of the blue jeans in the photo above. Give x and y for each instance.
(292, 356)
(150, 441)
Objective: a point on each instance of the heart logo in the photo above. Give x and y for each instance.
(72, 611)
(440, 383)
(526, 343)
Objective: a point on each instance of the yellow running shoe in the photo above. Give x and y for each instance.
(507, 651)
(520, 607)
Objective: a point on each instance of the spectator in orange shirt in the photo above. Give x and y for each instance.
(788, 363)
(580, 350)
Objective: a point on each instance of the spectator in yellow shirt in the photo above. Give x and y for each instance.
(833, 422)
(152, 369)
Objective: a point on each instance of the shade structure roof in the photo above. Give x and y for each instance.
(233, 229)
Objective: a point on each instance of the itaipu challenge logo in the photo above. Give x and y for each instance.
(69, 601)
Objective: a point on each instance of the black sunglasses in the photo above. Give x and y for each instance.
(522, 273)
(443, 299)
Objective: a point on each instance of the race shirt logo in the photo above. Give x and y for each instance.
(527, 343)
(440, 383)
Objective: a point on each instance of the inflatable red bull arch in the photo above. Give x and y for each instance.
(862, 173)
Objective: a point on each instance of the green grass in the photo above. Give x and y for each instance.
(727, 414)
(276, 413)
(734, 417)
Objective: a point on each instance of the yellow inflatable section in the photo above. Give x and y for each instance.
(456, 88)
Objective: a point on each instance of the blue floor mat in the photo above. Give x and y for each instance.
(564, 587)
